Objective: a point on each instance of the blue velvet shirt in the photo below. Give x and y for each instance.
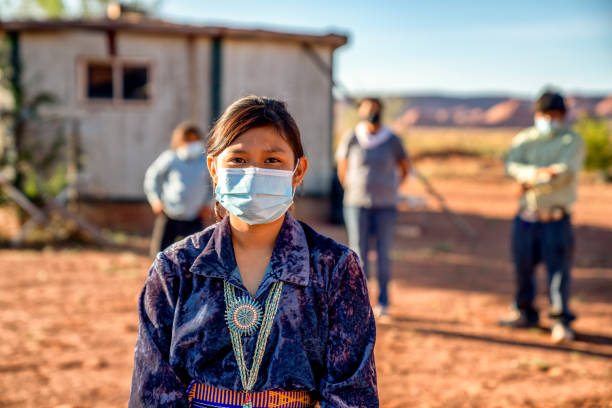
(322, 338)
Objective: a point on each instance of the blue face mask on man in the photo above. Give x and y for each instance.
(255, 195)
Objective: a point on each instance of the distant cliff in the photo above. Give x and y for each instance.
(496, 111)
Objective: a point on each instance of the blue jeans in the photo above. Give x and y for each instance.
(361, 223)
(553, 244)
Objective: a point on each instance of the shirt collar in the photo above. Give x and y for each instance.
(369, 140)
(290, 261)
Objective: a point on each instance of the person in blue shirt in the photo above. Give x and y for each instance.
(178, 188)
(258, 310)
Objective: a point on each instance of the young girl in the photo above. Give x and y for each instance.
(258, 310)
(177, 186)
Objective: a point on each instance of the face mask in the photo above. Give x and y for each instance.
(192, 150)
(255, 195)
(546, 126)
(373, 118)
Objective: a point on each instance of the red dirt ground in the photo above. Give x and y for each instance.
(68, 317)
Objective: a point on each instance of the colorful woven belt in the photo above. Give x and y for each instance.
(204, 396)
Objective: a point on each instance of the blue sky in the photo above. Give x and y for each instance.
(461, 47)
(444, 46)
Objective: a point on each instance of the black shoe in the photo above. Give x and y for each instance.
(519, 321)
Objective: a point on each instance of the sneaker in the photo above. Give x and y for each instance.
(561, 333)
(517, 320)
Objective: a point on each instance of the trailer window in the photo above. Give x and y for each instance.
(135, 82)
(117, 81)
(100, 81)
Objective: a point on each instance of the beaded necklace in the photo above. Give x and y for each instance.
(243, 316)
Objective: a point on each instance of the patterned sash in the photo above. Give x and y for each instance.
(204, 396)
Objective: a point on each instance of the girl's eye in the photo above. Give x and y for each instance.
(237, 160)
(272, 160)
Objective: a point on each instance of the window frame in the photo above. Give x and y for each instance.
(117, 64)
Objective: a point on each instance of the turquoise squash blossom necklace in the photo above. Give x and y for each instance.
(243, 316)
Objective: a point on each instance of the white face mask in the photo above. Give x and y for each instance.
(255, 195)
(192, 150)
(547, 126)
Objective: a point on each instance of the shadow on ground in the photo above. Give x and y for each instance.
(431, 251)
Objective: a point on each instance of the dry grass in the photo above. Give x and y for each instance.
(437, 150)
(484, 142)
(427, 140)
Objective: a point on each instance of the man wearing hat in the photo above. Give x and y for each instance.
(544, 160)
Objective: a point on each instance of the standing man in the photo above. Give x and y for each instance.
(372, 163)
(545, 161)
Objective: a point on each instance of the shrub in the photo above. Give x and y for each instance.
(596, 135)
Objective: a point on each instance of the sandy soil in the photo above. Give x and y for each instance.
(68, 317)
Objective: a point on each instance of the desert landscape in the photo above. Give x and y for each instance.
(111, 109)
(487, 110)
(69, 322)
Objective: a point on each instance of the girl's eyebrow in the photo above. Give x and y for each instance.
(239, 151)
(275, 149)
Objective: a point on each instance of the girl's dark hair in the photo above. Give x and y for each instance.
(247, 113)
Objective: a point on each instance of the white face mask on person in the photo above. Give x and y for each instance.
(190, 151)
(546, 126)
(255, 195)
